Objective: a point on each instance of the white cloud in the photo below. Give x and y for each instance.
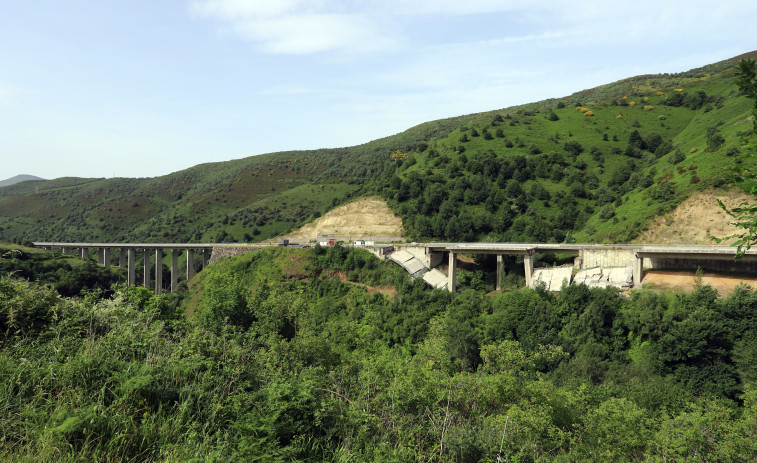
(297, 26)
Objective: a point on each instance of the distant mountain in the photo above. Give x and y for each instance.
(597, 165)
(18, 179)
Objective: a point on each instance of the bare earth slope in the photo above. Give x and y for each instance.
(365, 219)
(693, 222)
(695, 219)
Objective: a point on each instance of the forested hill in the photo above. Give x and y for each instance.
(596, 165)
(329, 354)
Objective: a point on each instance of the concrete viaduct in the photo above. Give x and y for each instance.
(592, 255)
(127, 257)
(426, 256)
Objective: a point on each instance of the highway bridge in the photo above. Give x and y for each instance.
(603, 262)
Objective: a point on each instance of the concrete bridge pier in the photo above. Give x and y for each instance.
(190, 264)
(452, 272)
(638, 270)
(106, 257)
(175, 269)
(122, 258)
(131, 274)
(158, 271)
(84, 253)
(147, 265)
(498, 286)
(528, 267)
(101, 256)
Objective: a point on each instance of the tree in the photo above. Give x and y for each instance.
(745, 214)
(714, 139)
(747, 82)
(573, 147)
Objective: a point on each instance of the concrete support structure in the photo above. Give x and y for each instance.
(190, 264)
(498, 286)
(158, 271)
(589, 256)
(638, 270)
(528, 267)
(452, 272)
(148, 270)
(175, 269)
(131, 278)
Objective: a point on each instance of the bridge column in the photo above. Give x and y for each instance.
(106, 257)
(528, 266)
(132, 263)
(101, 256)
(452, 272)
(122, 259)
(638, 270)
(158, 271)
(146, 279)
(190, 264)
(498, 286)
(84, 253)
(63, 250)
(175, 269)
(205, 257)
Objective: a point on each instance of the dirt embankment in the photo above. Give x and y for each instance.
(696, 219)
(367, 219)
(686, 281)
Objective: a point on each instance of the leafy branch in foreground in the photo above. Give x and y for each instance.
(745, 214)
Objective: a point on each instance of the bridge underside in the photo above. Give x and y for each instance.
(595, 264)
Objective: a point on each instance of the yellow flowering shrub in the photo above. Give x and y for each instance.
(398, 156)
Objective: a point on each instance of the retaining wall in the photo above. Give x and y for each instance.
(589, 258)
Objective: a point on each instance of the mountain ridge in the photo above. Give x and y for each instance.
(259, 197)
(18, 179)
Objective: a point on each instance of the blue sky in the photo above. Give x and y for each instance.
(144, 88)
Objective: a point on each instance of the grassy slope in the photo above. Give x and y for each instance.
(684, 127)
(266, 195)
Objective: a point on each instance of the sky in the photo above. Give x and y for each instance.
(143, 88)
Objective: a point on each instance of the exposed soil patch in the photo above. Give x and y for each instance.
(696, 219)
(388, 291)
(686, 280)
(367, 219)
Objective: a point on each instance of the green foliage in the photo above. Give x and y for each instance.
(261, 197)
(69, 275)
(285, 359)
(745, 214)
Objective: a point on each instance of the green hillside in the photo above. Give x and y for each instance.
(291, 355)
(545, 171)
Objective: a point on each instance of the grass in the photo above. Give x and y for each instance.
(268, 195)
